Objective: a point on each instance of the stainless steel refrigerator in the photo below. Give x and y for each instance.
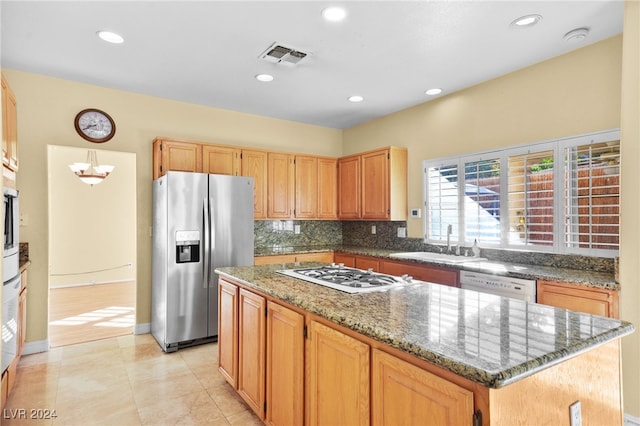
(200, 222)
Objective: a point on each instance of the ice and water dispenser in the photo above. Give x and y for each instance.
(188, 246)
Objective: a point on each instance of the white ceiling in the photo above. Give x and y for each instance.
(207, 52)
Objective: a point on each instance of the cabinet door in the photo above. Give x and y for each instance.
(349, 187)
(285, 366)
(9, 127)
(220, 160)
(271, 260)
(363, 262)
(403, 394)
(432, 274)
(228, 331)
(346, 259)
(252, 350)
(306, 183)
(22, 320)
(326, 257)
(338, 382)
(589, 300)
(169, 155)
(327, 188)
(280, 179)
(254, 164)
(375, 185)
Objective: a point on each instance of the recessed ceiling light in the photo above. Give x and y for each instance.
(356, 98)
(576, 35)
(526, 21)
(110, 37)
(334, 13)
(433, 92)
(264, 77)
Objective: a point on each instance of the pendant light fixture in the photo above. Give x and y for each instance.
(91, 172)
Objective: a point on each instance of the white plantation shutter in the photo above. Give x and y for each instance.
(482, 200)
(558, 196)
(592, 196)
(531, 199)
(442, 206)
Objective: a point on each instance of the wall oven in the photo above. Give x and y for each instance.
(11, 277)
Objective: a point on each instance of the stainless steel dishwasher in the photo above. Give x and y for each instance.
(515, 288)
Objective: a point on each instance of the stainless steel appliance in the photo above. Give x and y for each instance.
(10, 277)
(349, 280)
(200, 222)
(515, 288)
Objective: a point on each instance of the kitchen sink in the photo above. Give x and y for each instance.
(437, 257)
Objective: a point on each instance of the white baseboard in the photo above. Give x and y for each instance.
(142, 328)
(35, 347)
(630, 420)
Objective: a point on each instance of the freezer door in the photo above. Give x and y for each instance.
(187, 289)
(231, 209)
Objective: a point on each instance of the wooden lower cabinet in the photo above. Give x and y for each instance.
(596, 301)
(228, 331)
(326, 257)
(348, 260)
(251, 350)
(285, 366)
(366, 262)
(403, 394)
(429, 273)
(337, 378)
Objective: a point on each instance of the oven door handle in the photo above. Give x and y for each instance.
(13, 284)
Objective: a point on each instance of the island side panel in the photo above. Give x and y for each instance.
(593, 378)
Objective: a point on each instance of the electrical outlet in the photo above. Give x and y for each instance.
(575, 414)
(296, 229)
(373, 229)
(402, 232)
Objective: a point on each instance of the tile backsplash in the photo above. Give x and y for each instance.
(282, 234)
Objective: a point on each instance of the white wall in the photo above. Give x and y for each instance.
(92, 236)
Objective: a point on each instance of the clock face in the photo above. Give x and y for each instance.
(95, 125)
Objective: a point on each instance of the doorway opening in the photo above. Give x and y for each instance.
(92, 248)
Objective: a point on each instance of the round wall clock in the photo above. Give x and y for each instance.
(95, 125)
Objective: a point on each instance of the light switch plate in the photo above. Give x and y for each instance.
(373, 229)
(415, 213)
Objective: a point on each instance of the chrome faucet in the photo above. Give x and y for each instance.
(449, 230)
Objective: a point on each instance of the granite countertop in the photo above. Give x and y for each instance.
(491, 340)
(579, 277)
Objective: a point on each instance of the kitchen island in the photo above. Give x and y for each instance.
(387, 357)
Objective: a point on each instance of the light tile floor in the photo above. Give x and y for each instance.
(125, 380)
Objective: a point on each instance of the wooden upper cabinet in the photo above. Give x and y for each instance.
(596, 301)
(327, 188)
(373, 185)
(306, 187)
(172, 155)
(349, 187)
(9, 127)
(220, 160)
(254, 164)
(384, 184)
(280, 179)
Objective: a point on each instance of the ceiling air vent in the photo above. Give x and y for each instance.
(279, 54)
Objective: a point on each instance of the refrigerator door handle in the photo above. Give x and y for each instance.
(207, 243)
